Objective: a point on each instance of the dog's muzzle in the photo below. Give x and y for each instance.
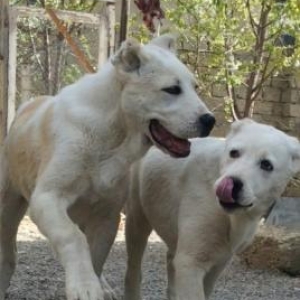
(206, 124)
(229, 191)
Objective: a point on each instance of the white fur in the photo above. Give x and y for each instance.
(177, 199)
(68, 157)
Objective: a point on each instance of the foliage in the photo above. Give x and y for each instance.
(45, 50)
(236, 43)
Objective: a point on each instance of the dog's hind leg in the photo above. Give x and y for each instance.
(138, 230)
(12, 210)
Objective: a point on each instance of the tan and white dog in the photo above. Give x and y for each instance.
(67, 157)
(177, 198)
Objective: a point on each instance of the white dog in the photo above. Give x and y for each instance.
(177, 198)
(67, 157)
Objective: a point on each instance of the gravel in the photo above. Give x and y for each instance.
(40, 277)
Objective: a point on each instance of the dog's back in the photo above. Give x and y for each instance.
(28, 137)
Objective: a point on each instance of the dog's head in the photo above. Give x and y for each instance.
(159, 95)
(258, 162)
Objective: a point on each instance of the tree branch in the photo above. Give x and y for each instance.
(253, 24)
(33, 45)
(257, 59)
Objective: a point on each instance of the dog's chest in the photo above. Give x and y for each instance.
(107, 165)
(105, 193)
(107, 177)
(108, 169)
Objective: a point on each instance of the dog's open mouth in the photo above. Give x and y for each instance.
(175, 146)
(227, 195)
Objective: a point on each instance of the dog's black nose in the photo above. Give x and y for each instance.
(207, 122)
(237, 187)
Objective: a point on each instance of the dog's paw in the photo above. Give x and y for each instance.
(109, 293)
(84, 289)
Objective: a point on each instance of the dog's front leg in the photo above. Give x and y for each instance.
(49, 212)
(189, 277)
(101, 230)
(213, 274)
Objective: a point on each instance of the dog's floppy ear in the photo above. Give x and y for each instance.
(165, 41)
(129, 57)
(295, 152)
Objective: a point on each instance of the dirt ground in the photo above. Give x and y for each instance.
(40, 277)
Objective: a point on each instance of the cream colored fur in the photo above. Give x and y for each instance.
(177, 199)
(67, 157)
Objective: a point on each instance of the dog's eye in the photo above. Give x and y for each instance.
(173, 90)
(266, 165)
(234, 153)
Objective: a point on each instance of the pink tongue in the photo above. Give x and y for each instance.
(224, 190)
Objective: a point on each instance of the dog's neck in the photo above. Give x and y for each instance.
(100, 95)
(130, 144)
(100, 91)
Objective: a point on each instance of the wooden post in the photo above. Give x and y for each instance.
(106, 33)
(103, 42)
(123, 21)
(12, 68)
(110, 6)
(4, 42)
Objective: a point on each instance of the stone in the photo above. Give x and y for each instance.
(263, 107)
(241, 92)
(291, 110)
(295, 82)
(282, 82)
(219, 90)
(295, 96)
(271, 94)
(290, 96)
(274, 248)
(277, 242)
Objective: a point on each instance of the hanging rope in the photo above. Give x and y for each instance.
(150, 9)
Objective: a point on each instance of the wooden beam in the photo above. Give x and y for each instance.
(72, 16)
(81, 58)
(4, 51)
